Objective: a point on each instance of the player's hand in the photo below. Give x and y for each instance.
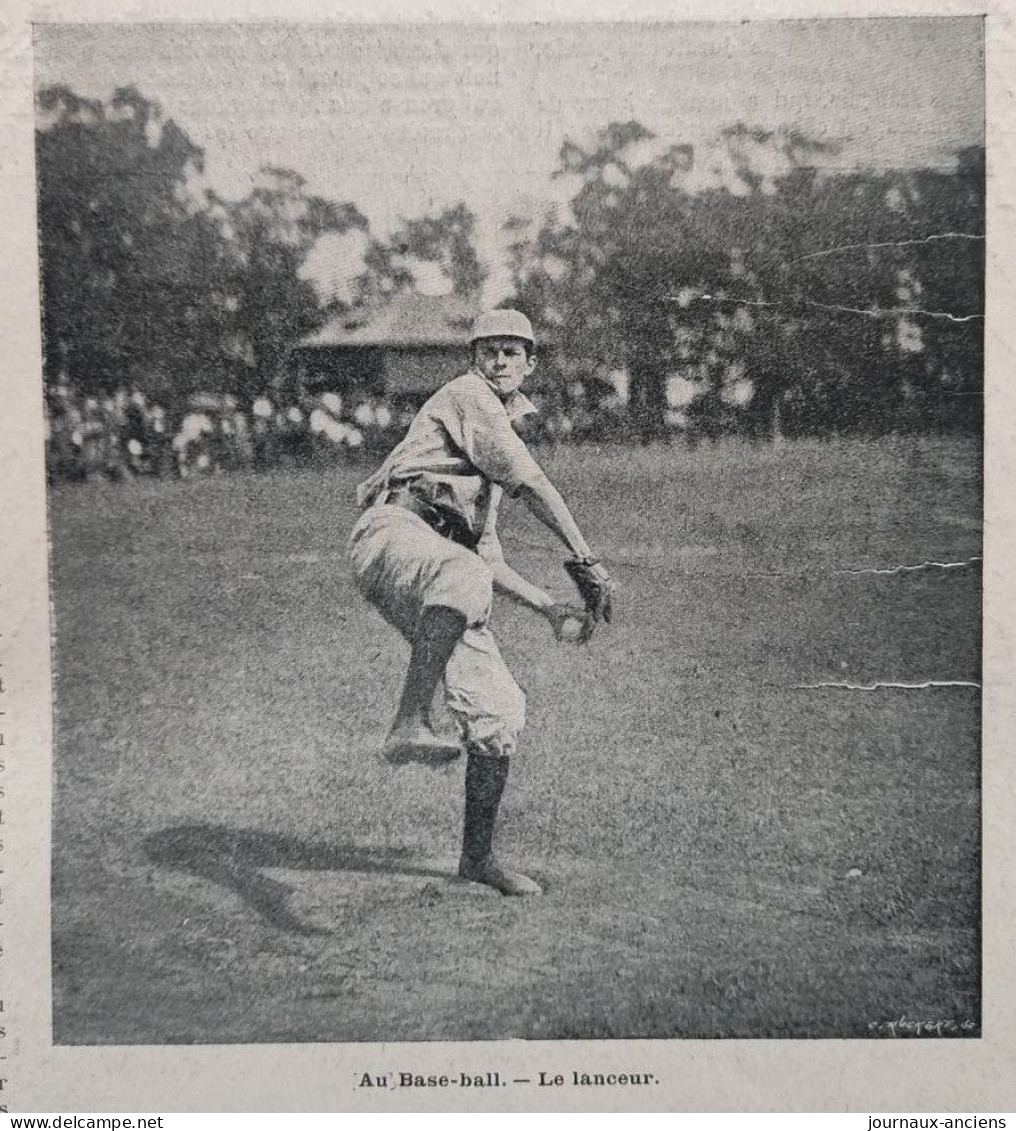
(595, 586)
(572, 624)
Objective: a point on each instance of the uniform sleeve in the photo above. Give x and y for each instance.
(479, 425)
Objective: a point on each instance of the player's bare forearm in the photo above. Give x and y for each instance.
(514, 586)
(570, 623)
(544, 501)
(594, 583)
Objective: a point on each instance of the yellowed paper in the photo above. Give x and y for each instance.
(226, 902)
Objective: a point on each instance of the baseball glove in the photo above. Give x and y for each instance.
(595, 587)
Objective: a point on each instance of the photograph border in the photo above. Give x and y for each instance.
(722, 1075)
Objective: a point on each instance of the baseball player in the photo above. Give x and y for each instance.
(426, 555)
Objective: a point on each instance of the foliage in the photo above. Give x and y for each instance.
(121, 249)
(267, 237)
(445, 239)
(812, 285)
(146, 281)
(790, 293)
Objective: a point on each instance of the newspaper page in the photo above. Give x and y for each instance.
(506, 528)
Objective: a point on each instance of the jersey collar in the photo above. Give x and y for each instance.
(516, 404)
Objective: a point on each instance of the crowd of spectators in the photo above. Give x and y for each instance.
(126, 435)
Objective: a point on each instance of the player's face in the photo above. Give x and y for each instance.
(503, 362)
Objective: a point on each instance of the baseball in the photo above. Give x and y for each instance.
(571, 630)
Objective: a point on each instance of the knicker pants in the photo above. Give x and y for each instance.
(402, 567)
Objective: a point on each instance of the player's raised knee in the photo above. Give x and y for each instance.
(464, 584)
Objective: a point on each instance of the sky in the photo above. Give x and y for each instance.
(406, 119)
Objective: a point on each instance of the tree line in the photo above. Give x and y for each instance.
(152, 282)
(851, 300)
(791, 298)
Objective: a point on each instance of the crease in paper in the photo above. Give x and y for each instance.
(888, 312)
(911, 568)
(935, 237)
(887, 684)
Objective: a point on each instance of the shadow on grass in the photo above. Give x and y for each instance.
(235, 857)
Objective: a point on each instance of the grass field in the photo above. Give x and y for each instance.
(728, 854)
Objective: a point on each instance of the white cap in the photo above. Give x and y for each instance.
(503, 324)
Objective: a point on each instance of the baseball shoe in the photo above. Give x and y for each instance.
(491, 873)
(420, 744)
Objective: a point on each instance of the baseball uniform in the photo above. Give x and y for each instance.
(460, 453)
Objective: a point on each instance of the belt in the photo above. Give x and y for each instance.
(442, 520)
